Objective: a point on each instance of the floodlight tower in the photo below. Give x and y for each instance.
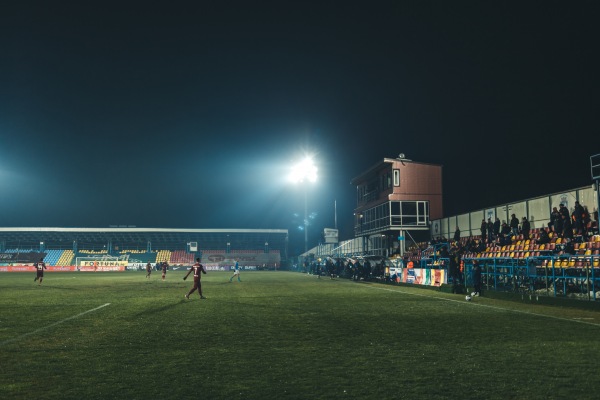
(304, 171)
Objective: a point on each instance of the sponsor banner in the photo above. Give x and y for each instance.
(17, 268)
(28, 268)
(421, 276)
(62, 269)
(21, 258)
(217, 267)
(97, 263)
(102, 269)
(211, 258)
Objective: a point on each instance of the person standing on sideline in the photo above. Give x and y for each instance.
(148, 270)
(165, 266)
(197, 268)
(236, 272)
(40, 266)
(476, 279)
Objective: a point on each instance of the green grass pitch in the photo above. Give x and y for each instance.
(283, 335)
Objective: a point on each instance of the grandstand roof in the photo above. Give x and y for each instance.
(135, 237)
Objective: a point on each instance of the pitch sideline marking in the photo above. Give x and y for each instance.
(51, 325)
(579, 321)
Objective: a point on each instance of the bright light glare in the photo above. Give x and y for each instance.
(305, 170)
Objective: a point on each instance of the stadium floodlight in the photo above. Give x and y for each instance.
(304, 171)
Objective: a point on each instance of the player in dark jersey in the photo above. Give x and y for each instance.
(164, 266)
(148, 270)
(197, 268)
(40, 267)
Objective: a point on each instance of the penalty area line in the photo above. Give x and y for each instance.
(52, 325)
(578, 321)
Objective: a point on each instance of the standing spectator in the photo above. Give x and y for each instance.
(490, 230)
(567, 227)
(357, 269)
(525, 228)
(558, 221)
(454, 270)
(505, 233)
(330, 265)
(366, 270)
(40, 266)
(586, 220)
(514, 225)
(457, 234)
(554, 216)
(339, 266)
(497, 227)
(483, 230)
(564, 211)
(577, 216)
(476, 279)
(197, 268)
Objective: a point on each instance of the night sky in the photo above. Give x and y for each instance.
(187, 115)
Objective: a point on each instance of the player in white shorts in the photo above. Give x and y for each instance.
(236, 272)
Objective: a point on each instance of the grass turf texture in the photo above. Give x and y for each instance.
(283, 335)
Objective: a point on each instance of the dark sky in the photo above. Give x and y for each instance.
(187, 115)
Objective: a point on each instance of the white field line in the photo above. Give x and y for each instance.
(62, 279)
(579, 321)
(51, 325)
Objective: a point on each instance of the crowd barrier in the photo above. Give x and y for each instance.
(572, 276)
